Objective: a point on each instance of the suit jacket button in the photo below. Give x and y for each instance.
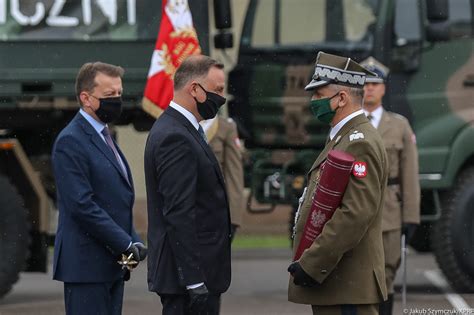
(324, 271)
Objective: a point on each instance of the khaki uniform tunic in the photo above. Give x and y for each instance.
(347, 257)
(226, 146)
(402, 200)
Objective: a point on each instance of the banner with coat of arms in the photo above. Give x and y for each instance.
(177, 39)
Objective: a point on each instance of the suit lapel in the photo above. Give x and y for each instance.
(102, 146)
(207, 150)
(127, 167)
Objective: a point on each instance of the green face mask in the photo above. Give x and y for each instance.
(321, 108)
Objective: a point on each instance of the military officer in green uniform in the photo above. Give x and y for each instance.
(343, 270)
(224, 141)
(401, 211)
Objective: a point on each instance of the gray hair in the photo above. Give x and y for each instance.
(356, 93)
(194, 67)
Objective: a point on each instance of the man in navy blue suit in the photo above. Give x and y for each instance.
(189, 224)
(95, 198)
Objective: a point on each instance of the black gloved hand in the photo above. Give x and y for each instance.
(133, 249)
(142, 250)
(409, 230)
(300, 277)
(126, 275)
(198, 299)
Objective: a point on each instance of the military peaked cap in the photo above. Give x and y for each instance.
(332, 69)
(378, 68)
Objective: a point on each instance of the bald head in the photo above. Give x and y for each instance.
(193, 67)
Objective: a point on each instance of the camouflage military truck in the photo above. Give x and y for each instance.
(429, 47)
(43, 43)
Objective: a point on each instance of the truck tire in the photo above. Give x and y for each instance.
(452, 238)
(14, 235)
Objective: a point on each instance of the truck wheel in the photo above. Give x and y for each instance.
(453, 236)
(14, 235)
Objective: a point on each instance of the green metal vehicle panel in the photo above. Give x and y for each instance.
(38, 64)
(442, 107)
(427, 85)
(431, 58)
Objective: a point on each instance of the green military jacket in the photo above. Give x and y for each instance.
(347, 258)
(225, 144)
(402, 199)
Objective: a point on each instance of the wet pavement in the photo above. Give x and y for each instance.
(259, 285)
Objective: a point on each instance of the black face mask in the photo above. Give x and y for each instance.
(209, 108)
(109, 109)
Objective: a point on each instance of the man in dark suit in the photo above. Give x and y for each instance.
(95, 198)
(188, 212)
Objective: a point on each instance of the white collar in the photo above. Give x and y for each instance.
(336, 128)
(186, 113)
(376, 116)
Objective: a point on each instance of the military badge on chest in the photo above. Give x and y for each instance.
(356, 135)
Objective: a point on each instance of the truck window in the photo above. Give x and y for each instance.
(407, 22)
(262, 32)
(282, 23)
(86, 20)
(310, 27)
(460, 18)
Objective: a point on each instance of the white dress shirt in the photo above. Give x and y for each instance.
(97, 125)
(376, 116)
(186, 113)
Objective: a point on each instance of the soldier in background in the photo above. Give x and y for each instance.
(225, 143)
(401, 212)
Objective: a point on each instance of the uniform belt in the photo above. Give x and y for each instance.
(393, 181)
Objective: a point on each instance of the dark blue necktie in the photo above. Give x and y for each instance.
(202, 133)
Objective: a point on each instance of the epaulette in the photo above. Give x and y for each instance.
(398, 116)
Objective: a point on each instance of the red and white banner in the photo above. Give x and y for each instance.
(177, 39)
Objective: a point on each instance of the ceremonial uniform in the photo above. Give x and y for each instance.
(345, 263)
(347, 258)
(402, 198)
(224, 142)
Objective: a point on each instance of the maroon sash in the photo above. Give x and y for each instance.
(334, 177)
